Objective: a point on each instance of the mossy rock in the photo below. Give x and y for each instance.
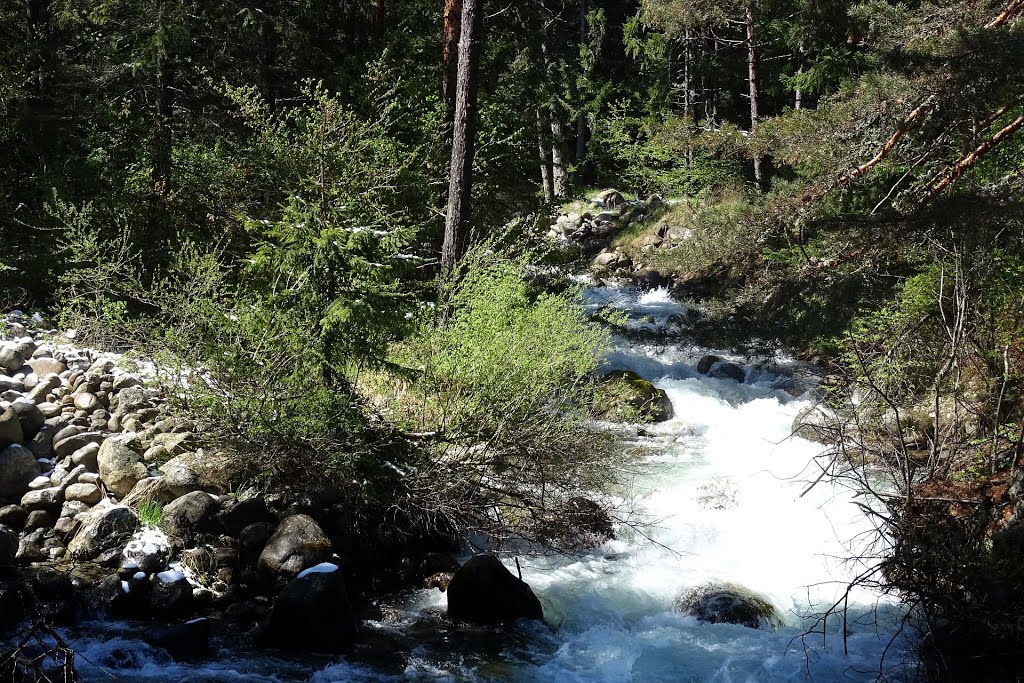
(624, 396)
(724, 603)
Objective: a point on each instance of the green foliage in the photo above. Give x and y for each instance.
(151, 513)
(503, 358)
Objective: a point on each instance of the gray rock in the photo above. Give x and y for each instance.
(13, 517)
(42, 499)
(484, 591)
(11, 359)
(131, 398)
(192, 514)
(87, 455)
(11, 384)
(30, 417)
(65, 447)
(106, 529)
(89, 494)
(297, 544)
(40, 519)
(314, 614)
(18, 467)
(10, 428)
(87, 402)
(120, 466)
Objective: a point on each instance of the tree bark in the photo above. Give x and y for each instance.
(452, 32)
(752, 81)
(544, 151)
(378, 19)
(160, 175)
(460, 183)
(559, 167)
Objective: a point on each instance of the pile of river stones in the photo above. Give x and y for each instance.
(611, 212)
(86, 442)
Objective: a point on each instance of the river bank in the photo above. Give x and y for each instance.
(719, 485)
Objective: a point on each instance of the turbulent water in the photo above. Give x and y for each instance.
(720, 486)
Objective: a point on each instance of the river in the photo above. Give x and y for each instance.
(720, 488)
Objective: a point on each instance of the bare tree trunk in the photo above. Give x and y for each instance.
(752, 82)
(452, 31)
(798, 95)
(544, 150)
(559, 168)
(463, 139)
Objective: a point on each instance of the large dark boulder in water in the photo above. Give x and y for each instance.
(719, 368)
(484, 591)
(188, 642)
(313, 613)
(723, 603)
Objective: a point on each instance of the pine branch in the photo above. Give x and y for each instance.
(966, 162)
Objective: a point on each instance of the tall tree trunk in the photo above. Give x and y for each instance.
(160, 175)
(268, 59)
(378, 19)
(689, 110)
(559, 167)
(752, 82)
(581, 119)
(460, 183)
(544, 151)
(798, 95)
(452, 31)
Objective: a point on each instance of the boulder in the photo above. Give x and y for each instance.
(13, 517)
(171, 594)
(30, 417)
(624, 396)
(64, 446)
(46, 366)
(120, 466)
(8, 547)
(727, 604)
(188, 642)
(647, 279)
(252, 541)
(18, 467)
(89, 494)
(813, 423)
(244, 513)
(192, 514)
(313, 614)
(610, 198)
(11, 359)
(87, 401)
(719, 368)
(297, 544)
(10, 429)
(484, 591)
(106, 529)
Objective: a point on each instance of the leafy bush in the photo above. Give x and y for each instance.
(504, 384)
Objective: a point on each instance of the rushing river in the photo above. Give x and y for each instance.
(721, 486)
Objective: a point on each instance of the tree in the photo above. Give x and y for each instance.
(460, 174)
